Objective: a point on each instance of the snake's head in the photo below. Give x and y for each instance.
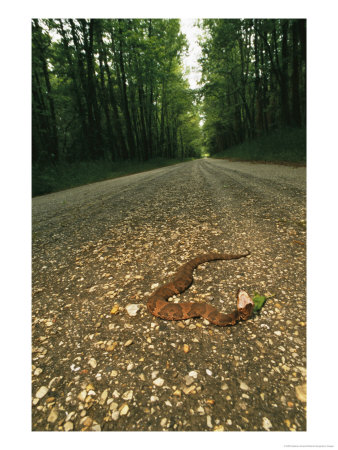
(245, 304)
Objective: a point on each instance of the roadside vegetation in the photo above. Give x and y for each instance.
(68, 175)
(281, 146)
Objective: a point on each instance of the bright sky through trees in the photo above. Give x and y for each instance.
(190, 62)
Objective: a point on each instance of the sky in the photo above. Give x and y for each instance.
(192, 32)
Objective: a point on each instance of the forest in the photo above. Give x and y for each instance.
(115, 91)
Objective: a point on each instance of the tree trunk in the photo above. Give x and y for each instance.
(295, 76)
(130, 135)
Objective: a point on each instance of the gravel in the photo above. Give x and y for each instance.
(101, 362)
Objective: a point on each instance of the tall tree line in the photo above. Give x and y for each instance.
(110, 88)
(254, 78)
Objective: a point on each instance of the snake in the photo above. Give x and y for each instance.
(159, 306)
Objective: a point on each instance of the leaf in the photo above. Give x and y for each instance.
(259, 301)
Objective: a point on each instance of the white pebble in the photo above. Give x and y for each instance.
(278, 333)
(128, 395)
(132, 309)
(68, 426)
(164, 422)
(266, 424)
(92, 362)
(82, 396)
(124, 410)
(115, 415)
(243, 385)
(41, 392)
(193, 374)
(159, 382)
(209, 424)
(208, 372)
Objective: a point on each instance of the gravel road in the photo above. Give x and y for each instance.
(102, 362)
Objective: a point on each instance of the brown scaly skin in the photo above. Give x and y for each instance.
(159, 307)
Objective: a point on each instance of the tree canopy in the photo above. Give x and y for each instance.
(253, 78)
(112, 89)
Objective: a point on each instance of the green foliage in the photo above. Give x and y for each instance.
(53, 178)
(259, 301)
(254, 79)
(110, 89)
(284, 145)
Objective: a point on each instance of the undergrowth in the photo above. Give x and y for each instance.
(284, 145)
(64, 175)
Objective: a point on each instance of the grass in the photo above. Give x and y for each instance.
(280, 146)
(67, 175)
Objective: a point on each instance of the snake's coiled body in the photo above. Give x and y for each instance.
(160, 307)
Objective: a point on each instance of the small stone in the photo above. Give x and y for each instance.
(124, 409)
(209, 424)
(113, 373)
(82, 396)
(159, 382)
(154, 398)
(129, 342)
(87, 421)
(115, 309)
(224, 387)
(301, 392)
(103, 397)
(229, 422)
(92, 362)
(96, 427)
(41, 392)
(130, 366)
(208, 372)
(111, 347)
(200, 410)
(70, 416)
(113, 406)
(164, 422)
(68, 426)
(243, 385)
(132, 309)
(188, 380)
(116, 394)
(189, 389)
(219, 428)
(154, 374)
(186, 348)
(278, 333)
(37, 371)
(266, 424)
(193, 374)
(53, 415)
(128, 395)
(115, 415)
(142, 377)
(177, 393)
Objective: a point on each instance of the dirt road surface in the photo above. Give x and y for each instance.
(102, 362)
